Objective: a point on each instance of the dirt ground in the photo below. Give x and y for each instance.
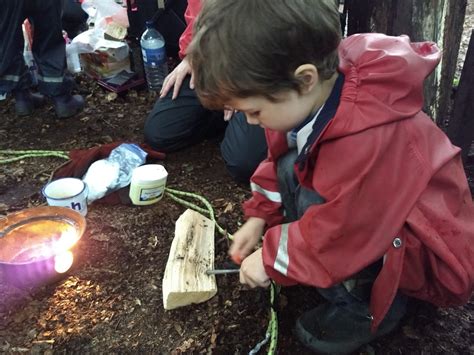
(111, 300)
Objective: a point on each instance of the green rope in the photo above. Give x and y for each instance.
(17, 155)
(271, 333)
(209, 210)
(273, 323)
(188, 204)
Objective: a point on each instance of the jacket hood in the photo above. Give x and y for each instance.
(383, 81)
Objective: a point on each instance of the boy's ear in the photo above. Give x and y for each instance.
(308, 76)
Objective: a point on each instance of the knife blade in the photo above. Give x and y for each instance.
(222, 271)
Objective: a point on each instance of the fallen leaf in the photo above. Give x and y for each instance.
(101, 237)
(229, 207)
(178, 329)
(111, 96)
(409, 332)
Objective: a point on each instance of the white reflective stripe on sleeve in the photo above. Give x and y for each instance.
(14, 78)
(51, 79)
(272, 196)
(282, 259)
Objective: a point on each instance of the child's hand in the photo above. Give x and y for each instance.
(246, 238)
(252, 271)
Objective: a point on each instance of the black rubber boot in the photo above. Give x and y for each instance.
(26, 102)
(68, 105)
(328, 329)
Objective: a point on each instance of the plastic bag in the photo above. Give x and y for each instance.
(113, 173)
(102, 13)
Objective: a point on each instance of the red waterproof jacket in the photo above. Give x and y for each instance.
(393, 183)
(193, 9)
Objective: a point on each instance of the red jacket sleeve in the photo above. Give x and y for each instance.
(193, 9)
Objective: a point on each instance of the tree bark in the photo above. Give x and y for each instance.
(461, 125)
(440, 21)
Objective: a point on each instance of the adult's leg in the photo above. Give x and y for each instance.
(74, 18)
(49, 48)
(180, 123)
(243, 148)
(13, 71)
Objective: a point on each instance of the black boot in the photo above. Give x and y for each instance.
(26, 102)
(329, 329)
(68, 105)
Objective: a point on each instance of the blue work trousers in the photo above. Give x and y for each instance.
(48, 46)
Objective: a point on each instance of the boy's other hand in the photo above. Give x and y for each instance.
(246, 238)
(176, 77)
(252, 271)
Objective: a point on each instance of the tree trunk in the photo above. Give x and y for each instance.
(440, 21)
(461, 125)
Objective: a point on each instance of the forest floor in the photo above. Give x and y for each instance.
(111, 300)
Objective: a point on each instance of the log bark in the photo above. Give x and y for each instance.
(191, 254)
(461, 125)
(440, 21)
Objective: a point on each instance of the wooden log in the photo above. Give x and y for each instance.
(191, 254)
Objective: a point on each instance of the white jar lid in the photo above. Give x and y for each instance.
(149, 172)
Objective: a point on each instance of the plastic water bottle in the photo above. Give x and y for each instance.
(154, 57)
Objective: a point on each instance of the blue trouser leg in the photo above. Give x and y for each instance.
(176, 124)
(49, 48)
(13, 71)
(182, 122)
(352, 295)
(244, 146)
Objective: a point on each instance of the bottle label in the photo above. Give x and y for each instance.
(155, 56)
(147, 194)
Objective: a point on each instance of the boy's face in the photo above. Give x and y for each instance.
(287, 113)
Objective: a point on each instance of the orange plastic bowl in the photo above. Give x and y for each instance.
(36, 244)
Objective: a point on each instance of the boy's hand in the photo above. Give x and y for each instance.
(252, 271)
(176, 77)
(246, 238)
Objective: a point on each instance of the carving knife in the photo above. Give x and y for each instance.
(222, 271)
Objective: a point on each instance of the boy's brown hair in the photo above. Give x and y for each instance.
(244, 48)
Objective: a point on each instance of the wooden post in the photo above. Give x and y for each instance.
(461, 125)
(191, 254)
(440, 21)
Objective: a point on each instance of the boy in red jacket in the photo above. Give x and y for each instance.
(361, 195)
